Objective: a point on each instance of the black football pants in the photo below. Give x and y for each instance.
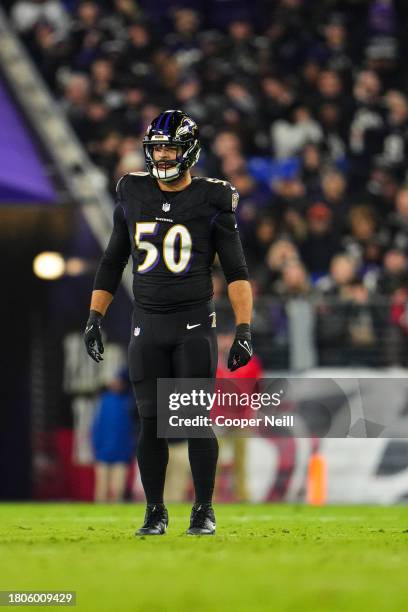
(174, 345)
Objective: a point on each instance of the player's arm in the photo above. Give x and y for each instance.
(232, 259)
(107, 279)
(240, 296)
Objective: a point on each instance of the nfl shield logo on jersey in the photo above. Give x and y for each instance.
(137, 331)
(166, 207)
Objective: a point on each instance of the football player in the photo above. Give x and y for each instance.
(173, 225)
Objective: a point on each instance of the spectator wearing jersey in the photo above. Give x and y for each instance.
(395, 145)
(290, 136)
(367, 128)
(321, 242)
(362, 232)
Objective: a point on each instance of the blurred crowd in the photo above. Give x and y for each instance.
(301, 105)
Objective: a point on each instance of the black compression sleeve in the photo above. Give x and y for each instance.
(229, 248)
(117, 253)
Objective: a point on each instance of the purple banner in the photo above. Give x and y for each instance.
(23, 177)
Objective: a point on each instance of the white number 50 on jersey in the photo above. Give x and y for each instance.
(177, 232)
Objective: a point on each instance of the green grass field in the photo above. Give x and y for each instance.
(264, 557)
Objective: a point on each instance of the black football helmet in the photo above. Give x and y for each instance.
(173, 128)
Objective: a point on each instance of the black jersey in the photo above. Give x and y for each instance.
(173, 238)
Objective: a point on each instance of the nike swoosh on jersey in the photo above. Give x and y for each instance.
(188, 326)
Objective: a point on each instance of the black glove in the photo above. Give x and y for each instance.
(93, 336)
(241, 349)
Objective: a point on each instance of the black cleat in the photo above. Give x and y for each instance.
(155, 521)
(202, 520)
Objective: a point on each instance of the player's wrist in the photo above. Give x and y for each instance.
(243, 331)
(95, 317)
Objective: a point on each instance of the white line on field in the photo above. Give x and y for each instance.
(297, 519)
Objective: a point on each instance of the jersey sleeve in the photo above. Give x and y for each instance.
(116, 255)
(226, 239)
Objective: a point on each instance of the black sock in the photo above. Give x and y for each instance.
(152, 457)
(203, 455)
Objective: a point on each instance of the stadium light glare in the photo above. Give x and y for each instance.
(75, 266)
(49, 265)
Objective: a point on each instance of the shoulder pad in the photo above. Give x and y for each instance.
(227, 195)
(120, 185)
(138, 177)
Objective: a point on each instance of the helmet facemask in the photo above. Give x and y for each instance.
(166, 170)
